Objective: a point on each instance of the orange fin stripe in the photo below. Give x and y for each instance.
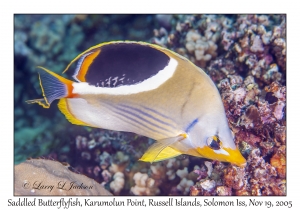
(88, 60)
(88, 50)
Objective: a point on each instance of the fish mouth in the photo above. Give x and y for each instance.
(230, 155)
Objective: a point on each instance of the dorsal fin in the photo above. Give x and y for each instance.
(83, 65)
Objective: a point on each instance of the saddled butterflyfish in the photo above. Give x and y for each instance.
(148, 90)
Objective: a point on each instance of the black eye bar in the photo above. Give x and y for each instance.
(214, 142)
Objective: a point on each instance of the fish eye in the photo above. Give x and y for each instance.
(214, 142)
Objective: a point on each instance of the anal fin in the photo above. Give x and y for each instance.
(166, 153)
(64, 108)
(161, 150)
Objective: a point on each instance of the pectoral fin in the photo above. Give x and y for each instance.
(161, 150)
(166, 153)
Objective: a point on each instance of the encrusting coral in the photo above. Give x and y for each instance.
(118, 183)
(144, 185)
(185, 183)
(47, 177)
(278, 161)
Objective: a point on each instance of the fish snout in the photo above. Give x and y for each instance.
(235, 157)
(230, 155)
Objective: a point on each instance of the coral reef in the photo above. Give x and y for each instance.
(118, 183)
(278, 161)
(47, 177)
(144, 185)
(247, 44)
(99, 155)
(121, 172)
(245, 55)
